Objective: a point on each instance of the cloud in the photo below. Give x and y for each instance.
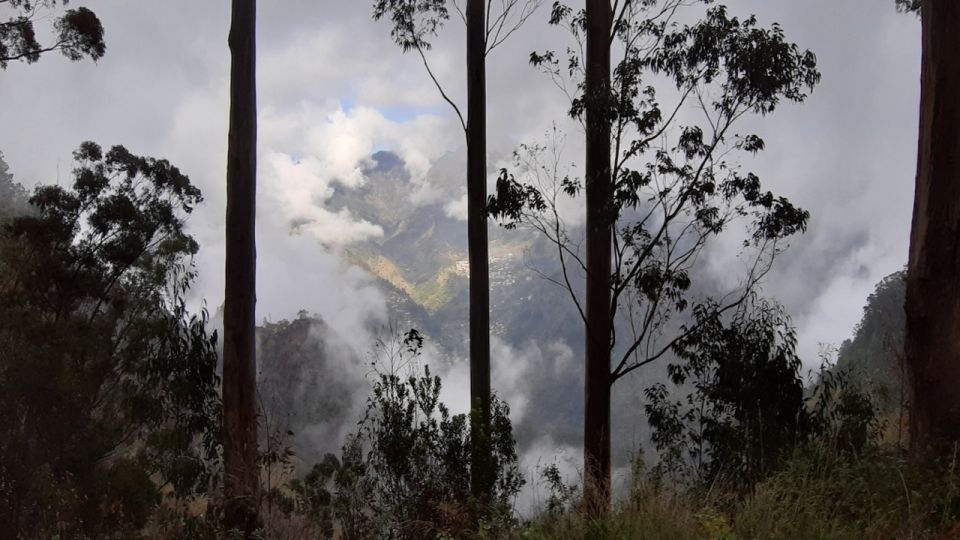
(310, 149)
(530, 379)
(457, 208)
(300, 190)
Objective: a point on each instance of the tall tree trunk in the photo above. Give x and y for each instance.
(599, 191)
(482, 473)
(239, 352)
(933, 275)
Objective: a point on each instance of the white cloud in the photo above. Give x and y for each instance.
(299, 189)
(457, 208)
(309, 148)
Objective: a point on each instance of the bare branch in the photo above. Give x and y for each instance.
(459, 10)
(498, 31)
(436, 83)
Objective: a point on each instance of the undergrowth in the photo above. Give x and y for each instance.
(819, 493)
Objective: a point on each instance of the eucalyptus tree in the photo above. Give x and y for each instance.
(415, 23)
(598, 188)
(660, 180)
(933, 298)
(241, 480)
(908, 6)
(77, 32)
(108, 385)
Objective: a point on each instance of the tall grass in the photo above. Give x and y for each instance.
(819, 493)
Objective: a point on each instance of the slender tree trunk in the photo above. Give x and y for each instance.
(933, 276)
(599, 191)
(239, 352)
(482, 476)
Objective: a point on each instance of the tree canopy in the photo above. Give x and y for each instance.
(78, 32)
(101, 355)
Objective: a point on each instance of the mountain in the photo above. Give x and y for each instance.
(13, 198)
(872, 356)
(318, 388)
(422, 266)
(311, 386)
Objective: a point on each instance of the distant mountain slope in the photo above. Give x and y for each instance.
(421, 262)
(420, 265)
(310, 384)
(872, 356)
(13, 198)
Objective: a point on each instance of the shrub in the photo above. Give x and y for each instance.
(406, 472)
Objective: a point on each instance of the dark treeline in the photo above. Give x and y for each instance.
(125, 413)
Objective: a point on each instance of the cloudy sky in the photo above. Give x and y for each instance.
(333, 89)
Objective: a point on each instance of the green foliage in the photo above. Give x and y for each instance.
(339, 492)
(909, 6)
(644, 513)
(873, 358)
(108, 383)
(561, 494)
(844, 416)
(675, 186)
(745, 409)
(414, 21)
(406, 472)
(411, 432)
(78, 32)
(824, 494)
(817, 492)
(13, 198)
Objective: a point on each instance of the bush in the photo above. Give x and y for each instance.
(406, 472)
(745, 407)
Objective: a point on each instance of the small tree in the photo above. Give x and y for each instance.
(78, 32)
(674, 188)
(746, 407)
(406, 472)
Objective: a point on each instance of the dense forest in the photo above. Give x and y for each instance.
(467, 269)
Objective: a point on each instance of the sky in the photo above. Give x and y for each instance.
(333, 89)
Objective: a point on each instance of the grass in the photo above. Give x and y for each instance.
(818, 494)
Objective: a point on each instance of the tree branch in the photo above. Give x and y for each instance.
(436, 83)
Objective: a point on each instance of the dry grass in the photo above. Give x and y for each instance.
(817, 495)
